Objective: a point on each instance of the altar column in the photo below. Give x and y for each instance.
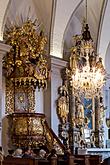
(97, 121)
(99, 110)
(3, 50)
(72, 108)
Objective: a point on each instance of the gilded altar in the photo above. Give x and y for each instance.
(80, 117)
(84, 77)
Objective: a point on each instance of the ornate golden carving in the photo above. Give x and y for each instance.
(9, 97)
(20, 126)
(35, 126)
(19, 99)
(31, 99)
(25, 63)
(31, 129)
(26, 68)
(57, 147)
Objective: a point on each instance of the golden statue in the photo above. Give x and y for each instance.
(73, 61)
(63, 109)
(79, 112)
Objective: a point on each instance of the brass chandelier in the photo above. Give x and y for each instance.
(86, 69)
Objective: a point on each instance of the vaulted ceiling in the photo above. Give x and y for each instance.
(60, 19)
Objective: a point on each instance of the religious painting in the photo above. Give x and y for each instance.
(21, 100)
(88, 111)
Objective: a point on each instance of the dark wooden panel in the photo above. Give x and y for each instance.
(18, 161)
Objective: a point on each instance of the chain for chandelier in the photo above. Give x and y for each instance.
(86, 67)
(86, 11)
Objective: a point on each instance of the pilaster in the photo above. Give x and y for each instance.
(51, 94)
(106, 92)
(3, 50)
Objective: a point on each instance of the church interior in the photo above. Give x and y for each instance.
(55, 79)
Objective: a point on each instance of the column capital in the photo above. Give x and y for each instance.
(4, 48)
(58, 62)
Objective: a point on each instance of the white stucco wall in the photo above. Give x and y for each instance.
(56, 82)
(63, 12)
(3, 7)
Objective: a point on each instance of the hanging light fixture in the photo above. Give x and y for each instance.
(86, 69)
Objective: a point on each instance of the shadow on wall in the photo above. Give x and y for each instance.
(6, 134)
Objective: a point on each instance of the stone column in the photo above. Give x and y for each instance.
(3, 50)
(51, 94)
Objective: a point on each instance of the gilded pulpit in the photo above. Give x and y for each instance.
(25, 68)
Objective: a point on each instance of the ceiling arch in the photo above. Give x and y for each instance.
(66, 20)
(107, 59)
(3, 7)
(63, 12)
(74, 26)
(18, 12)
(104, 37)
